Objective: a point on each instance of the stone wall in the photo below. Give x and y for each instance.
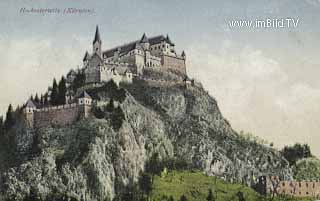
(274, 185)
(59, 115)
(173, 63)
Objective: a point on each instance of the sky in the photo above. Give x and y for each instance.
(265, 79)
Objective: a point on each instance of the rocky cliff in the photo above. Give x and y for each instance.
(95, 158)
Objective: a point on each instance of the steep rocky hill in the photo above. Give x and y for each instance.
(95, 158)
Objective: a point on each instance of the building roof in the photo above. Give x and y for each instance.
(86, 56)
(97, 36)
(144, 39)
(183, 54)
(134, 44)
(30, 104)
(84, 94)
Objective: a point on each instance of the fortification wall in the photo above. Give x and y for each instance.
(273, 185)
(173, 63)
(59, 115)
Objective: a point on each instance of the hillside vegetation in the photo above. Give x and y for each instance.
(194, 185)
(307, 169)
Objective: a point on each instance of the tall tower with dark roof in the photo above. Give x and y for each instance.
(96, 44)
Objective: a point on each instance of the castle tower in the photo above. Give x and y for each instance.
(28, 111)
(96, 44)
(183, 55)
(145, 42)
(86, 59)
(84, 104)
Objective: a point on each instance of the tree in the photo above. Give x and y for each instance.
(296, 152)
(45, 99)
(153, 165)
(9, 122)
(36, 99)
(41, 100)
(110, 106)
(62, 90)
(210, 196)
(145, 183)
(54, 93)
(241, 196)
(1, 126)
(183, 198)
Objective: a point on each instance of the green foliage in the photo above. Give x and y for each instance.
(78, 81)
(307, 169)
(183, 198)
(155, 166)
(54, 93)
(10, 120)
(36, 99)
(296, 152)
(110, 106)
(145, 183)
(210, 196)
(194, 184)
(98, 112)
(1, 126)
(116, 118)
(62, 90)
(45, 99)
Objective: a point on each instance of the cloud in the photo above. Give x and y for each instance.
(256, 94)
(29, 65)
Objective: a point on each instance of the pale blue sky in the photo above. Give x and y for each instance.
(265, 80)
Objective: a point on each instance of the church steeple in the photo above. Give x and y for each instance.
(96, 44)
(97, 36)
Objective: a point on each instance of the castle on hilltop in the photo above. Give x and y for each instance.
(122, 62)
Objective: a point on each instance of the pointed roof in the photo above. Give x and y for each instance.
(144, 38)
(84, 94)
(168, 40)
(30, 104)
(86, 56)
(97, 36)
(183, 53)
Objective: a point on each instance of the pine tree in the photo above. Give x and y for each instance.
(54, 93)
(62, 89)
(183, 198)
(1, 126)
(9, 122)
(210, 196)
(36, 99)
(41, 100)
(45, 99)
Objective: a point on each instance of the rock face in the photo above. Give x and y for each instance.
(94, 160)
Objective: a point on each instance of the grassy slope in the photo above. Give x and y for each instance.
(195, 186)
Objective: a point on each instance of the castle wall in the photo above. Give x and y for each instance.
(273, 185)
(173, 63)
(59, 115)
(92, 75)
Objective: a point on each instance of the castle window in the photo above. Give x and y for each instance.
(307, 193)
(307, 185)
(283, 184)
(299, 184)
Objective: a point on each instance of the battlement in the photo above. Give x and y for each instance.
(154, 52)
(273, 185)
(58, 115)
